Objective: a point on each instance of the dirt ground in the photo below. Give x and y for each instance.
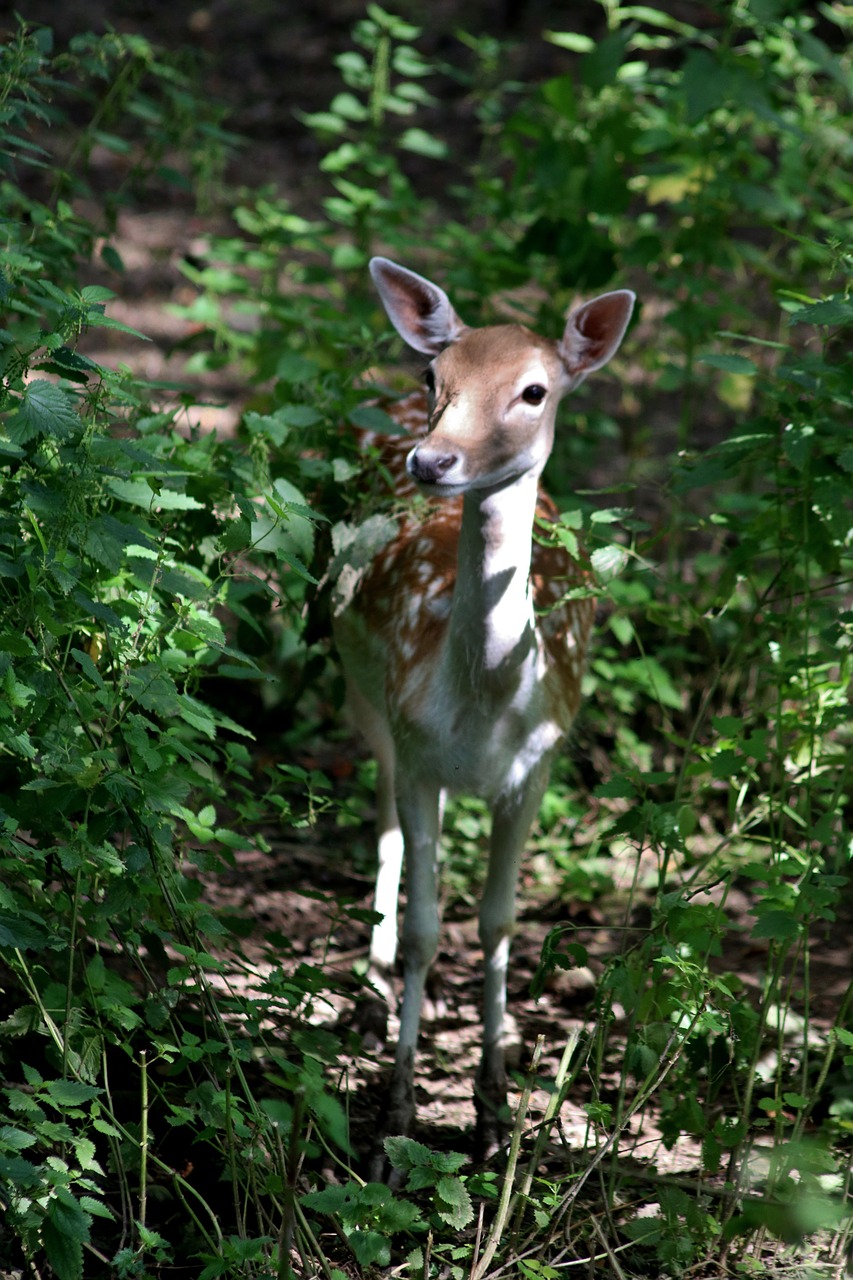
(267, 59)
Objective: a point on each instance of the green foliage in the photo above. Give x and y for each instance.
(436, 1172)
(369, 1214)
(124, 533)
(146, 566)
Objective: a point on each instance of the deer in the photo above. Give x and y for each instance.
(464, 644)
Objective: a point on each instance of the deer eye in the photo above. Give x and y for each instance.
(429, 381)
(534, 394)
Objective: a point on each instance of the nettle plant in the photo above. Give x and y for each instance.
(719, 681)
(125, 536)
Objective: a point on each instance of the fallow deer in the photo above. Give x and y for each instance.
(464, 644)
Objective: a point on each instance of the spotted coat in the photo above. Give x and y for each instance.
(404, 598)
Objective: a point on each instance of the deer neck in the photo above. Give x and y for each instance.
(491, 634)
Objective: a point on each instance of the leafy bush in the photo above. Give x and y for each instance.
(122, 533)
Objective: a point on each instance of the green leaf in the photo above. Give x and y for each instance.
(293, 368)
(830, 311)
(370, 1248)
(19, 645)
(423, 144)
(845, 458)
(70, 1093)
(139, 493)
(731, 364)
(795, 1100)
(44, 409)
(96, 319)
(332, 1199)
(15, 931)
(600, 65)
(560, 94)
(15, 1139)
(702, 85)
(348, 106)
(778, 925)
(112, 258)
(64, 1231)
(609, 561)
(93, 293)
(89, 667)
(406, 1153)
(371, 418)
(798, 443)
(453, 1203)
(571, 40)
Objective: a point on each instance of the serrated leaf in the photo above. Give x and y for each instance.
(778, 925)
(70, 1093)
(20, 646)
(15, 1139)
(96, 293)
(18, 1172)
(845, 458)
(89, 667)
(20, 933)
(44, 409)
(406, 1153)
(609, 561)
(453, 1203)
(829, 311)
(97, 320)
(370, 1248)
(96, 1207)
(63, 1232)
(797, 442)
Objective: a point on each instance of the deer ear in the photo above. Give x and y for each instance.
(593, 333)
(420, 312)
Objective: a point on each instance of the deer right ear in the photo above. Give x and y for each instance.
(593, 333)
(421, 313)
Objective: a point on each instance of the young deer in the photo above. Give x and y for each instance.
(453, 678)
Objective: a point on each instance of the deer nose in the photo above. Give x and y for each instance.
(429, 468)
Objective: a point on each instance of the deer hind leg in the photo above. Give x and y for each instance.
(420, 814)
(512, 818)
(372, 1014)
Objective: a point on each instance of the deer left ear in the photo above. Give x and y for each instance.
(421, 313)
(593, 333)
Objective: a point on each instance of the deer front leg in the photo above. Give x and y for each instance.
(512, 818)
(420, 818)
(383, 939)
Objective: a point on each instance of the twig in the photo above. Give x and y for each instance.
(477, 1239)
(512, 1160)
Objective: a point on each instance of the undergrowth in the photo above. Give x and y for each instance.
(164, 1101)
